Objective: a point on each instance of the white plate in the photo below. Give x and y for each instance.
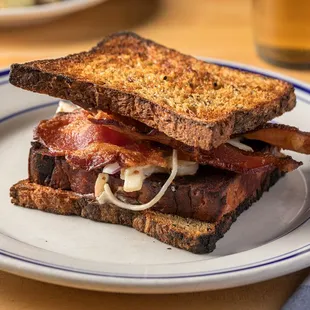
(42, 13)
(269, 240)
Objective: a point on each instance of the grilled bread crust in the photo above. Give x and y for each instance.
(184, 233)
(198, 103)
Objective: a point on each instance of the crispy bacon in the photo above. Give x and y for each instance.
(88, 146)
(90, 142)
(133, 128)
(283, 136)
(119, 123)
(231, 158)
(225, 156)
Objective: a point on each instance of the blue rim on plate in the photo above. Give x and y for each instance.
(270, 261)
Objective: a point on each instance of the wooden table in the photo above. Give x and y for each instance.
(218, 29)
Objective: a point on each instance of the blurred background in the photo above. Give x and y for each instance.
(222, 29)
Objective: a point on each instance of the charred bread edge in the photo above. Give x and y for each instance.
(191, 235)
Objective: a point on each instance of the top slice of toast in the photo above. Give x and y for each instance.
(198, 103)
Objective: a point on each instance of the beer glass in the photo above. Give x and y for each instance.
(282, 31)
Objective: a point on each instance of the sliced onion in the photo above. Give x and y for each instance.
(101, 181)
(108, 197)
(236, 143)
(111, 168)
(66, 107)
(187, 167)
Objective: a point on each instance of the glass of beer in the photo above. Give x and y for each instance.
(282, 32)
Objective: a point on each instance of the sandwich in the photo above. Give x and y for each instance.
(147, 137)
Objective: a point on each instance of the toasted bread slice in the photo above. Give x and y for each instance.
(198, 103)
(188, 234)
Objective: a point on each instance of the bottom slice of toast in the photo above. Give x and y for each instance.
(188, 234)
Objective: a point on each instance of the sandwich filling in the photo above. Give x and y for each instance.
(205, 196)
(123, 146)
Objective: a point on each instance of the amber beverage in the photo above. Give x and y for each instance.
(282, 31)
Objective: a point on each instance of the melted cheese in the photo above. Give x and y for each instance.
(108, 197)
(134, 176)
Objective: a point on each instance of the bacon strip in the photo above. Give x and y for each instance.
(119, 122)
(231, 158)
(283, 136)
(132, 128)
(88, 146)
(225, 156)
(90, 142)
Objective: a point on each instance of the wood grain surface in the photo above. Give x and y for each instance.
(218, 29)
